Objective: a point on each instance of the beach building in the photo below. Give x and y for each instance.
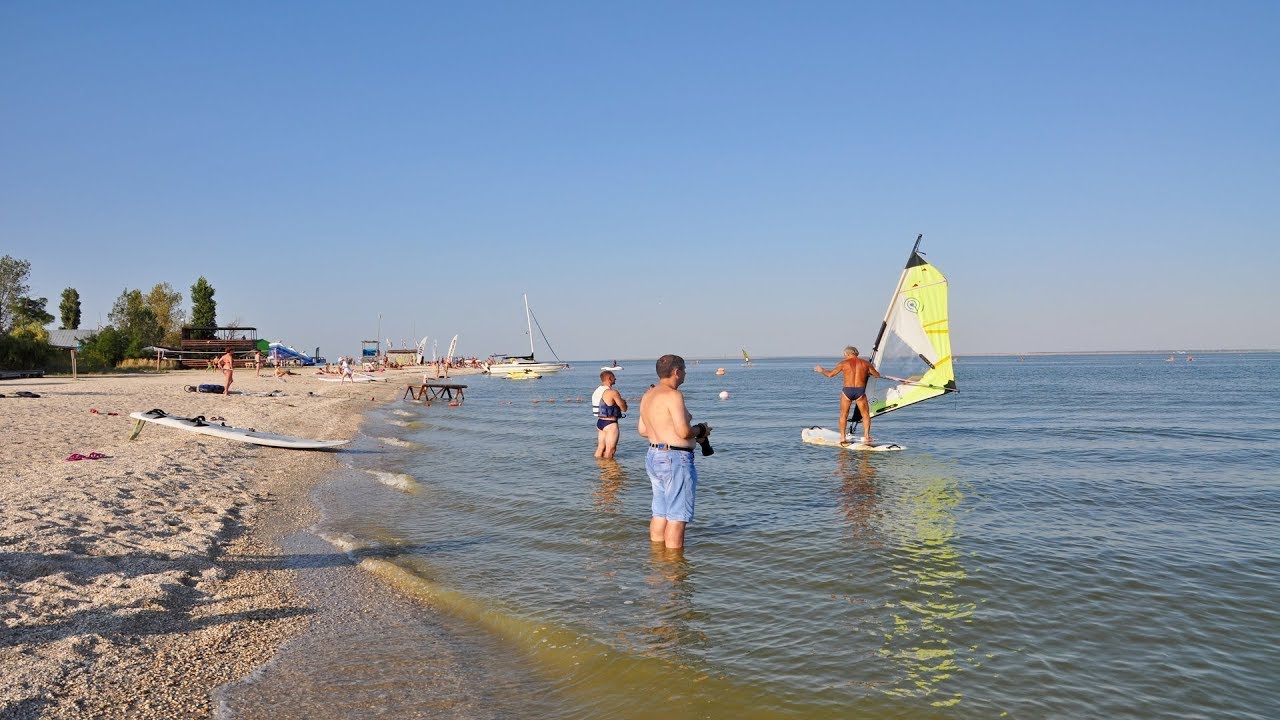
(69, 339)
(201, 344)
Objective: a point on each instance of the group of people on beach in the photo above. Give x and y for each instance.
(345, 369)
(668, 426)
(227, 364)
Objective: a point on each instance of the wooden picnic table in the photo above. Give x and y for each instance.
(429, 391)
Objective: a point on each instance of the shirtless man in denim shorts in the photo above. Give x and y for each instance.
(664, 421)
(855, 371)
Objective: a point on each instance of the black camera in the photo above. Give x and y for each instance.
(703, 438)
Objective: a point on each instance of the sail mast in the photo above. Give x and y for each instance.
(528, 324)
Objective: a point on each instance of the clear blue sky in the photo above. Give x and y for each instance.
(659, 176)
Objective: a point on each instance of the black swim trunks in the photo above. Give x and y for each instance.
(853, 393)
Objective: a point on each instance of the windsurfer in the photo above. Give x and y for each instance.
(855, 370)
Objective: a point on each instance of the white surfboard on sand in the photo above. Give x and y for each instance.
(831, 438)
(246, 435)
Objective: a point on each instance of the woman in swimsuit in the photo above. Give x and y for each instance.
(227, 364)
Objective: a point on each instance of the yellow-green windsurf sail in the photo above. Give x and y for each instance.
(913, 348)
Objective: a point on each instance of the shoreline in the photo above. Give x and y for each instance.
(135, 585)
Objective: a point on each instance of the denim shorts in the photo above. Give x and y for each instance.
(675, 483)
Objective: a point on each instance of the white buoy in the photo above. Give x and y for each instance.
(724, 394)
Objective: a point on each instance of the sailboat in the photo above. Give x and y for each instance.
(912, 351)
(500, 363)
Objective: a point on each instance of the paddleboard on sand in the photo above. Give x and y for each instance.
(246, 435)
(831, 438)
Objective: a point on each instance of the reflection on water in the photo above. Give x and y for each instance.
(916, 524)
(613, 478)
(928, 610)
(673, 631)
(859, 495)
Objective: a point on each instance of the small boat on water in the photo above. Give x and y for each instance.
(524, 375)
(614, 367)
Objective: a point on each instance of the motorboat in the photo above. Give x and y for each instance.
(525, 375)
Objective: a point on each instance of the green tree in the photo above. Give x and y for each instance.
(26, 349)
(104, 349)
(69, 309)
(135, 319)
(29, 311)
(13, 285)
(166, 304)
(204, 310)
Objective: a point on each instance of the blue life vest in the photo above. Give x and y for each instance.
(609, 411)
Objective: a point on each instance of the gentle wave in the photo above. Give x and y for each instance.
(398, 442)
(403, 482)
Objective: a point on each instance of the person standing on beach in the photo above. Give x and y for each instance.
(227, 365)
(257, 363)
(855, 371)
(664, 421)
(609, 405)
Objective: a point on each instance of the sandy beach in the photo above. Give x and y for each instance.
(133, 585)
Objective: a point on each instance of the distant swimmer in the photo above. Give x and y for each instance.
(855, 371)
(609, 406)
(664, 421)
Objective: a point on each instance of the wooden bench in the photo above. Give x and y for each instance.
(427, 392)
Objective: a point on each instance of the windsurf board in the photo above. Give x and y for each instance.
(831, 438)
(246, 435)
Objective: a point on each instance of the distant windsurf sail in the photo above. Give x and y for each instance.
(913, 349)
(745, 357)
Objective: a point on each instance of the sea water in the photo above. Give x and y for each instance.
(1066, 537)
